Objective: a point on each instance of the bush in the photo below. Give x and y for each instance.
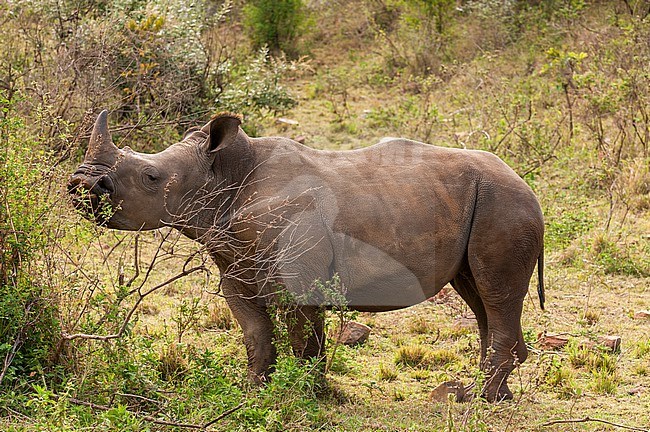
(28, 312)
(275, 24)
(255, 90)
(142, 60)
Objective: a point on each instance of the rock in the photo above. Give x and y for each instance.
(301, 139)
(442, 392)
(353, 333)
(552, 341)
(612, 343)
(642, 314)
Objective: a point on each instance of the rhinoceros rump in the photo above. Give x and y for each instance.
(394, 222)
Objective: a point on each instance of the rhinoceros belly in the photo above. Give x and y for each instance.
(373, 279)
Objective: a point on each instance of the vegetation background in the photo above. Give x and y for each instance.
(113, 331)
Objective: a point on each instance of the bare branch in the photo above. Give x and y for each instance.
(590, 419)
(129, 315)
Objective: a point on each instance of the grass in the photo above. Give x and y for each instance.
(382, 384)
(387, 373)
(597, 275)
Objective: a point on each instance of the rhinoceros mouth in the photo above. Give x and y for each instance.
(91, 196)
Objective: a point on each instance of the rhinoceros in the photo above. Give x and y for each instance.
(393, 223)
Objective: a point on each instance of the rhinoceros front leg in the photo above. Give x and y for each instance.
(256, 324)
(306, 331)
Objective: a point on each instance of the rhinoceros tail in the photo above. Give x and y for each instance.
(540, 279)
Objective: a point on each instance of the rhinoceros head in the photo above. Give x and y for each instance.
(124, 189)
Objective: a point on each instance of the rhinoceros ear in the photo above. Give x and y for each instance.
(190, 131)
(222, 131)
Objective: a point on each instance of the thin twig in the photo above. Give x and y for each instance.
(130, 128)
(127, 319)
(135, 396)
(590, 419)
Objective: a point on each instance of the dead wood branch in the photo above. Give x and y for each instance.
(590, 419)
(223, 415)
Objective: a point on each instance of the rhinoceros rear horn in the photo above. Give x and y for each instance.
(100, 146)
(222, 130)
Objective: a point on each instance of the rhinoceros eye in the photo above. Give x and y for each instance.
(150, 177)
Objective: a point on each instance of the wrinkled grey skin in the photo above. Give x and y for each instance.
(395, 221)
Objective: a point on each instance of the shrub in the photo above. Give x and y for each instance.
(562, 379)
(562, 229)
(420, 325)
(642, 349)
(28, 313)
(442, 357)
(290, 398)
(421, 356)
(255, 90)
(604, 381)
(387, 373)
(218, 316)
(143, 60)
(275, 24)
(619, 260)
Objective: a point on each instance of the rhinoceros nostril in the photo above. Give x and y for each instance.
(105, 185)
(76, 185)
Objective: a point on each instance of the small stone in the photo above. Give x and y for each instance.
(442, 392)
(301, 139)
(552, 341)
(353, 333)
(612, 343)
(642, 314)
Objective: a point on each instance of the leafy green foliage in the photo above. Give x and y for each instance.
(562, 380)
(569, 225)
(276, 24)
(616, 260)
(256, 91)
(28, 313)
(415, 39)
(416, 355)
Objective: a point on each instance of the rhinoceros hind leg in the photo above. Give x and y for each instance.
(465, 286)
(506, 348)
(496, 361)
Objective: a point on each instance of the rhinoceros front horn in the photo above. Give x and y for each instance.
(100, 147)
